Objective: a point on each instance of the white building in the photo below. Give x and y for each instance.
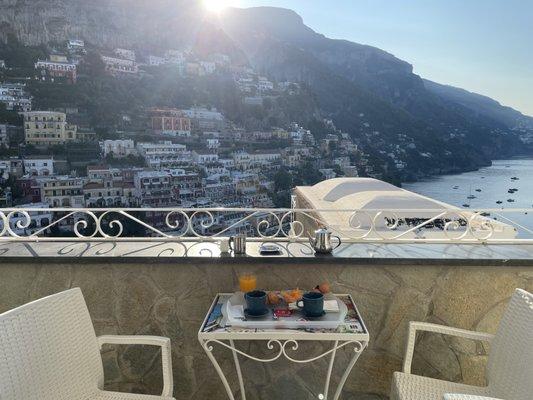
(264, 85)
(204, 158)
(155, 60)
(213, 144)
(120, 66)
(164, 154)
(163, 148)
(75, 45)
(39, 165)
(118, 148)
(207, 67)
(15, 97)
(205, 119)
(401, 212)
(125, 54)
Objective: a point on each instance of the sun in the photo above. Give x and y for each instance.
(217, 6)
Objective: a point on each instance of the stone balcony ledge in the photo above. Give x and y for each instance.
(296, 252)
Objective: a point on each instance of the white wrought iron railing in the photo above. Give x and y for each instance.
(210, 224)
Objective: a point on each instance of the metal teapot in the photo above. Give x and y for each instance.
(322, 241)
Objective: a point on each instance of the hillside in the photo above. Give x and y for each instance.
(481, 105)
(367, 92)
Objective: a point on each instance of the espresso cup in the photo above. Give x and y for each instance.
(256, 301)
(312, 304)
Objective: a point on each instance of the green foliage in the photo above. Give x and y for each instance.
(17, 55)
(9, 117)
(282, 180)
(129, 161)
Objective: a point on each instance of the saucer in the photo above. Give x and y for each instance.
(269, 249)
(248, 314)
(316, 316)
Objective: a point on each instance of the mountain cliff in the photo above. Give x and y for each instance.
(105, 23)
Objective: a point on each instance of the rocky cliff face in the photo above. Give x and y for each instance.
(104, 23)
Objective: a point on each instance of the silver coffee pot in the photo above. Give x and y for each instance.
(237, 243)
(322, 241)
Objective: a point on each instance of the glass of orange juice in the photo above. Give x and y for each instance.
(247, 282)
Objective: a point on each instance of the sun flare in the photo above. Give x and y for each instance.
(217, 5)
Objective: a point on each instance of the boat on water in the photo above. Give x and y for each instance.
(478, 190)
(471, 197)
(455, 187)
(514, 178)
(499, 202)
(466, 205)
(510, 200)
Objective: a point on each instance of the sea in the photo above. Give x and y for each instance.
(489, 185)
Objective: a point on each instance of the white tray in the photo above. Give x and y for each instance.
(331, 320)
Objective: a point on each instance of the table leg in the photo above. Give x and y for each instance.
(330, 369)
(358, 350)
(209, 351)
(238, 368)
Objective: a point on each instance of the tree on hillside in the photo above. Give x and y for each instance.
(9, 117)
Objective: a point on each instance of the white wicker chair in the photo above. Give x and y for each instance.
(49, 351)
(509, 372)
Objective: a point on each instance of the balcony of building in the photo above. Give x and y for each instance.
(157, 271)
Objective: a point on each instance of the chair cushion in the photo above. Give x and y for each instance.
(414, 387)
(104, 395)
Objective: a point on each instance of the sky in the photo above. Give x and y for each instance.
(485, 46)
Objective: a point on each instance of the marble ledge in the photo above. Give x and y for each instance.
(355, 253)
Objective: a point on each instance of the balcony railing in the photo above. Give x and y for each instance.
(277, 225)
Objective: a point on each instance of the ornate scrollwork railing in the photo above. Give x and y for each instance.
(294, 224)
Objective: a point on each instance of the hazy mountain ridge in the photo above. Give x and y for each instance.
(478, 103)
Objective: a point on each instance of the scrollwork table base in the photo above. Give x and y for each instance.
(284, 344)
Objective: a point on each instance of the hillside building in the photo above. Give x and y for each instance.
(46, 128)
(57, 67)
(38, 165)
(118, 148)
(15, 97)
(125, 54)
(171, 122)
(119, 66)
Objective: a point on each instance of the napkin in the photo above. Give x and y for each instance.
(331, 306)
(236, 311)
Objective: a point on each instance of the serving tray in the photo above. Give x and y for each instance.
(330, 320)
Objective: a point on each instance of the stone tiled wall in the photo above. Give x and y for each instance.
(171, 299)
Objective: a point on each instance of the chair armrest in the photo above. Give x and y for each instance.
(458, 396)
(445, 330)
(163, 342)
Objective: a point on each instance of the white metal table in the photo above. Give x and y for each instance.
(282, 342)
